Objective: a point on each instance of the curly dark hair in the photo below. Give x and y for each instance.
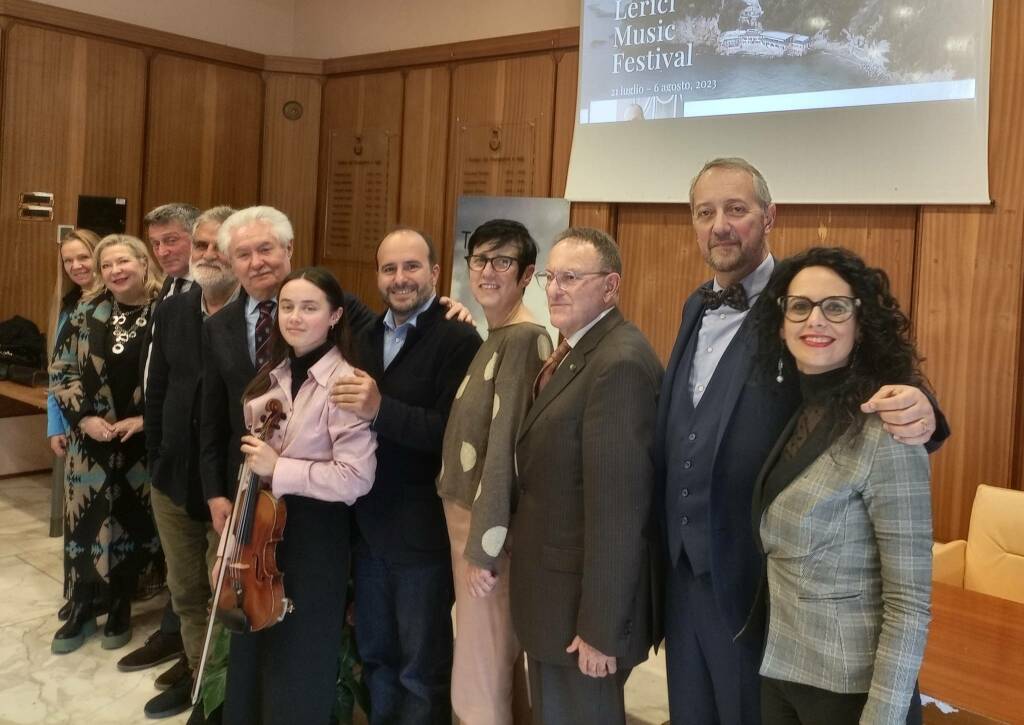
(884, 353)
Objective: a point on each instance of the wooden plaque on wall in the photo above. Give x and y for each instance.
(362, 193)
(495, 160)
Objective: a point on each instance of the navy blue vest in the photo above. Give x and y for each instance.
(690, 455)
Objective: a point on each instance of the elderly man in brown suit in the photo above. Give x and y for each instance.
(581, 574)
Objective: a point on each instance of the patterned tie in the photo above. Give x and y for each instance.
(550, 366)
(264, 325)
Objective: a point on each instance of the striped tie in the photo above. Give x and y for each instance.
(550, 366)
(264, 325)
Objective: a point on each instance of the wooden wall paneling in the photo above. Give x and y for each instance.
(661, 267)
(73, 123)
(883, 236)
(72, 21)
(357, 110)
(599, 215)
(968, 305)
(425, 150)
(291, 157)
(505, 45)
(508, 102)
(565, 119)
(205, 125)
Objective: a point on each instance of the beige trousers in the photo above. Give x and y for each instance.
(486, 647)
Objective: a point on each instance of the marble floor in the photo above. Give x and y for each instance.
(85, 686)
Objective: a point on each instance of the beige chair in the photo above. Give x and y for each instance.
(991, 561)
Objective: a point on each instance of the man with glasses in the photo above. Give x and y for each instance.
(717, 422)
(581, 573)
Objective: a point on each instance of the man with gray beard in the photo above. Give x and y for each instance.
(173, 397)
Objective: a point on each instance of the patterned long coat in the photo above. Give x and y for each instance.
(108, 523)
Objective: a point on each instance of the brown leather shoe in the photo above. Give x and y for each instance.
(159, 648)
(178, 673)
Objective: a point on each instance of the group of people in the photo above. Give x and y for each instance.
(761, 505)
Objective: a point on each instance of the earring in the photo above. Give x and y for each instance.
(778, 378)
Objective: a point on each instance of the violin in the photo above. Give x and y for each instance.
(249, 594)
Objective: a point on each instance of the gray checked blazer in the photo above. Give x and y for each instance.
(848, 545)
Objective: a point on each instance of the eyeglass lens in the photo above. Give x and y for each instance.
(478, 262)
(835, 309)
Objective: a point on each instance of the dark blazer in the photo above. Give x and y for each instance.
(756, 410)
(173, 400)
(755, 413)
(581, 536)
(227, 370)
(401, 518)
(147, 339)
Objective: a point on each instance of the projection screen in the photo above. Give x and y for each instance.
(837, 101)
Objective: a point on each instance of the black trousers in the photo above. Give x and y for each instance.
(288, 673)
(565, 696)
(792, 703)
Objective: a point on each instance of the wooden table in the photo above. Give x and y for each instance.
(35, 397)
(975, 654)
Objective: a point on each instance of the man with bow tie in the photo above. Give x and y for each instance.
(717, 422)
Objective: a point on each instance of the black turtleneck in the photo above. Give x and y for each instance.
(813, 433)
(300, 365)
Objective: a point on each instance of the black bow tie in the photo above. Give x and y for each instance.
(732, 296)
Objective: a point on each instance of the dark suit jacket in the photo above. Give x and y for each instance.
(173, 400)
(401, 519)
(147, 338)
(581, 536)
(227, 370)
(755, 413)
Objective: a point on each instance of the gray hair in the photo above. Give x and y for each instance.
(183, 214)
(764, 197)
(216, 215)
(280, 227)
(607, 248)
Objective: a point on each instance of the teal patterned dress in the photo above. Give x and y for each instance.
(111, 546)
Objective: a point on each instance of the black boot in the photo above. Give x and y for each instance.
(99, 609)
(81, 623)
(118, 630)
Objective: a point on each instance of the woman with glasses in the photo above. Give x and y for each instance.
(842, 510)
(478, 472)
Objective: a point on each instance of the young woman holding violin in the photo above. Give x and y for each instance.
(317, 460)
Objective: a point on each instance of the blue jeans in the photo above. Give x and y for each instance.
(404, 635)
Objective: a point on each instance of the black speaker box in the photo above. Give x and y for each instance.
(102, 214)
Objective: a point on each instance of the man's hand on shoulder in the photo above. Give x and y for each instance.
(456, 310)
(357, 393)
(592, 662)
(906, 413)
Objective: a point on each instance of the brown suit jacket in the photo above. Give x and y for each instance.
(582, 538)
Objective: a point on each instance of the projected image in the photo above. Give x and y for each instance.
(656, 59)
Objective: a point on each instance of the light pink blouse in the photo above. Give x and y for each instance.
(325, 452)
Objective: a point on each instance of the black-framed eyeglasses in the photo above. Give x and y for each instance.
(478, 262)
(565, 279)
(835, 309)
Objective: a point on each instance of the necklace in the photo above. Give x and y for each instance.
(123, 329)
